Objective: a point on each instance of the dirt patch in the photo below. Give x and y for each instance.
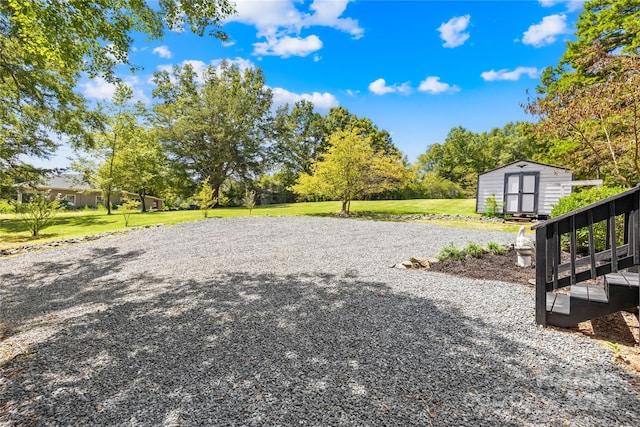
(618, 332)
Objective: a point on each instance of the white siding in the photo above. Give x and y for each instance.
(549, 191)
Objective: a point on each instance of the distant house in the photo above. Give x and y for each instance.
(523, 188)
(79, 194)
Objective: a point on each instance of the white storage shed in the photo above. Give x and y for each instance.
(523, 188)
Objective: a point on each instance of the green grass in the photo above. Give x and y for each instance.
(14, 232)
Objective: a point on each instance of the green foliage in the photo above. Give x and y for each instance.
(205, 197)
(495, 248)
(588, 105)
(451, 252)
(352, 168)
(47, 46)
(583, 198)
(474, 250)
(492, 208)
(249, 200)
(216, 128)
(7, 206)
(38, 212)
(126, 209)
(465, 154)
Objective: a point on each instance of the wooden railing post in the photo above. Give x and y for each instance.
(541, 275)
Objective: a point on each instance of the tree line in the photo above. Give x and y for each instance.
(219, 129)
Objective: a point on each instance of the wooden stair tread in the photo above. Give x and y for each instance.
(624, 278)
(558, 303)
(593, 293)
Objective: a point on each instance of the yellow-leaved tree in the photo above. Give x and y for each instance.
(350, 169)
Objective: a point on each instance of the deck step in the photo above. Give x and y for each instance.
(589, 292)
(624, 278)
(558, 303)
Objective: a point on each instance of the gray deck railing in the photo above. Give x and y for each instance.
(554, 270)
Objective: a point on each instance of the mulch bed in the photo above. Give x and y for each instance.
(490, 267)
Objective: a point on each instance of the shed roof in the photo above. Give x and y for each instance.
(525, 161)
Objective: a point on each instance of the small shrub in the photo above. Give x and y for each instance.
(39, 211)
(249, 200)
(474, 250)
(7, 206)
(450, 252)
(495, 248)
(204, 197)
(492, 208)
(583, 198)
(126, 209)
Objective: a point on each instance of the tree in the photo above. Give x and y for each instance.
(38, 212)
(465, 154)
(205, 198)
(352, 168)
(588, 103)
(216, 128)
(46, 45)
(118, 130)
(339, 118)
(595, 127)
(143, 165)
(299, 136)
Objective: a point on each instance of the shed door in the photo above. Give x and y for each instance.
(521, 193)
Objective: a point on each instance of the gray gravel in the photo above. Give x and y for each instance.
(288, 321)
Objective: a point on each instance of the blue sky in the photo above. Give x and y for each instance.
(415, 68)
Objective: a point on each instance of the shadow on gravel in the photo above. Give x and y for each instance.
(244, 349)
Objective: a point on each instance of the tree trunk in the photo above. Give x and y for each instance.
(345, 207)
(143, 205)
(215, 195)
(108, 200)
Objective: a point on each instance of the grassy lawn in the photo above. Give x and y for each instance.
(14, 232)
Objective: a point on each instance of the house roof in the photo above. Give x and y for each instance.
(66, 182)
(526, 161)
(76, 183)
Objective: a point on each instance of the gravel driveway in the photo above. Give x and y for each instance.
(288, 321)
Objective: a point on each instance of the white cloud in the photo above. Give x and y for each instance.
(99, 88)
(322, 101)
(572, 5)
(288, 46)
(317, 58)
(228, 43)
(453, 31)
(433, 85)
(162, 51)
(504, 74)
(328, 13)
(546, 31)
(280, 23)
(379, 87)
(352, 92)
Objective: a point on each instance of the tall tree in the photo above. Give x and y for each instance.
(595, 127)
(46, 45)
(103, 169)
(588, 104)
(143, 165)
(299, 135)
(215, 129)
(339, 118)
(352, 168)
(465, 154)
